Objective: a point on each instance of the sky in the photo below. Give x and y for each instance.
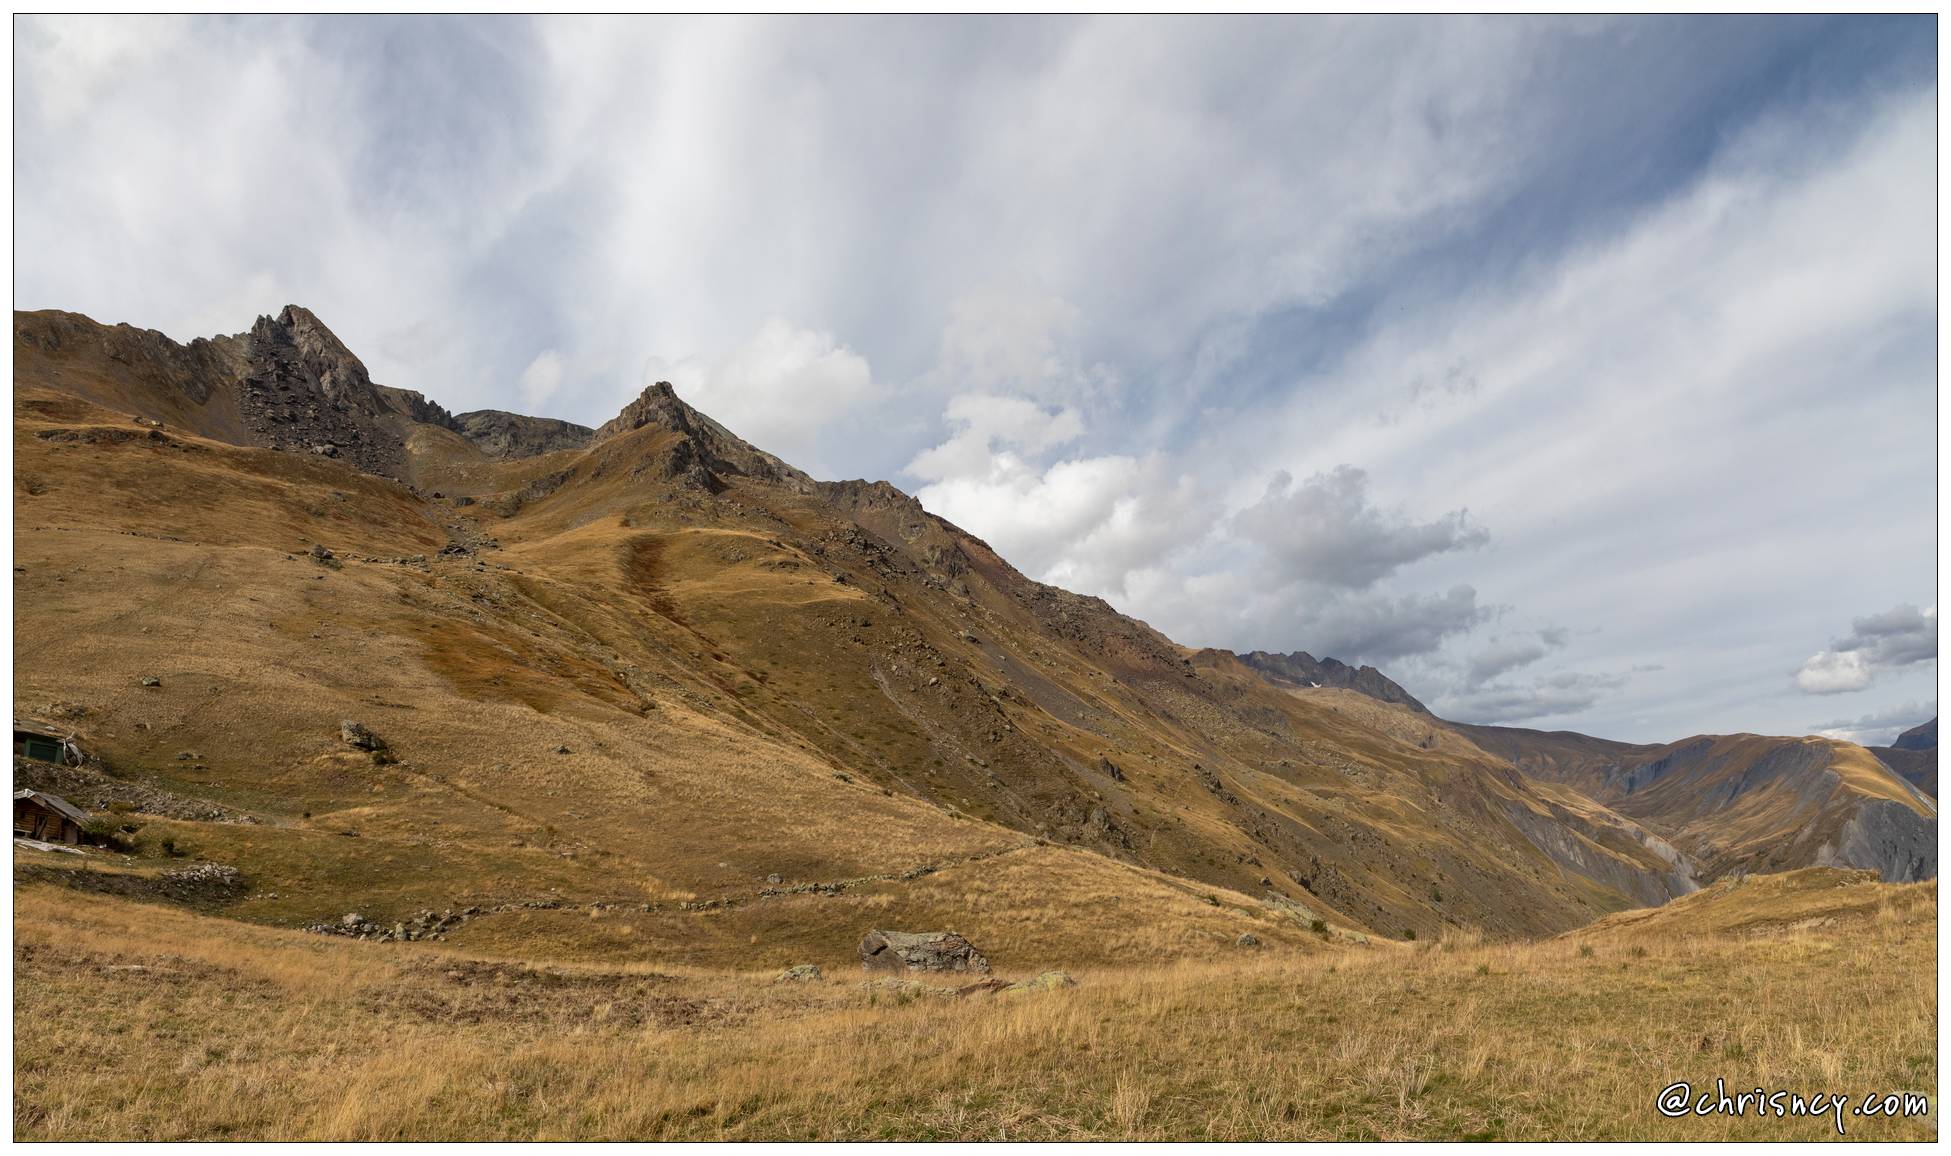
(1578, 373)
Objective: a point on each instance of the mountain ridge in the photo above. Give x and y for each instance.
(830, 653)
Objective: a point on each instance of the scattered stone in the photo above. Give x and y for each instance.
(801, 973)
(1248, 939)
(920, 951)
(204, 879)
(1048, 981)
(320, 554)
(355, 734)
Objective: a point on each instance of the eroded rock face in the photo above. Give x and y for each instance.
(511, 435)
(920, 951)
(1889, 838)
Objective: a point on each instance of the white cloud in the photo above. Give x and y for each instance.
(992, 431)
(541, 380)
(1020, 343)
(1898, 637)
(1834, 672)
(779, 389)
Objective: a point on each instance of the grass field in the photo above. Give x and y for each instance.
(145, 1022)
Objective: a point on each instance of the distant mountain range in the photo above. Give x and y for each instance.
(1914, 756)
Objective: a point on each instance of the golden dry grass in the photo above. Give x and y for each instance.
(236, 1032)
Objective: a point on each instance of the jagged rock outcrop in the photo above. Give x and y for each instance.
(1302, 669)
(300, 388)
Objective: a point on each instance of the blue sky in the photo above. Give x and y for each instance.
(1580, 373)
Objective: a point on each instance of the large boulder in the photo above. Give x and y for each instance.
(920, 951)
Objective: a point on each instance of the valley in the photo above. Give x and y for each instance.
(644, 715)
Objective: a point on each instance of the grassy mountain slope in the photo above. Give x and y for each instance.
(666, 666)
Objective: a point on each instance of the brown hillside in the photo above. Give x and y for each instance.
(753, 674)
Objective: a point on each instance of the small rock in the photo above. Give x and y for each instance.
(562, 749)
(151, 680)
(1048, 981)
(801, 973)
(321, 554)
(1248, 939)
(774, 878)
(355, 734)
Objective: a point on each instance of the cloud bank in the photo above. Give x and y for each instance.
(1401, 340)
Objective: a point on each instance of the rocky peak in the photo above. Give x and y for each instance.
(1302, 669)
(296, 346)
(299, 388)
(717, 448)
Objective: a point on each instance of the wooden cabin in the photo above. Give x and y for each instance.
(49, 818)
(31, 742)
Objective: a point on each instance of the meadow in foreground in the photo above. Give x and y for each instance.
(144, 1022)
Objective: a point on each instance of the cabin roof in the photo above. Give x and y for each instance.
(55, 803)
(39, 730)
